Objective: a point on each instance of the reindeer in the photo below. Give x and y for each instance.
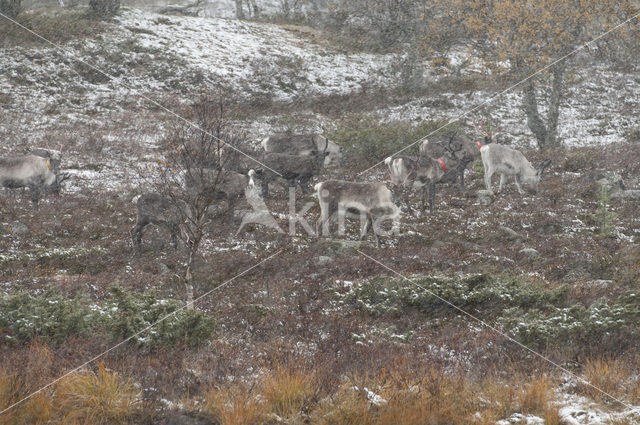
(226, 184)
(424, 171)
(371, 199)
(510, 162)
(55, 157)
(32, 171)
(304, 144)
(293, 168)
(154, 208)
(465, 150)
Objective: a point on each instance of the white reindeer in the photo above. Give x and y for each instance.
(510, 162)
(32, 171)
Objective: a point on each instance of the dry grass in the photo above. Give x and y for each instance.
(610, 375)
(96, 398)
(536, 395)
(286, 391)
(234, 406)
(344, 407)
(17, 383)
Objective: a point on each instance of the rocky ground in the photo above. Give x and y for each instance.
(539, 268)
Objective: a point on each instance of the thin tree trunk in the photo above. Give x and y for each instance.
(239, 10)
(546, 134)
(285, 8)
(534, 121)
(253, 7)
(555, 99)
(188, 274)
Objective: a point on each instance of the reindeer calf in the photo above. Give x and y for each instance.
(372, 199)
(154, 208)
(510, 162)
(225, 184)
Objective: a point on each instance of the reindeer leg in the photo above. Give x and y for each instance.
(503, 178)
(136, 235)
(461, 179)
(488, 173)
(432, 196)
(518, 184)
(366, 227)
(35, 195)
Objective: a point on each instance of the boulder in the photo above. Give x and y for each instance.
(18, 228)
(612, 182)
(511, 234)
(530, 252)
(485, 197)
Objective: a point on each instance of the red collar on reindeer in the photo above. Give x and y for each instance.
(479, 145)
(441, 162)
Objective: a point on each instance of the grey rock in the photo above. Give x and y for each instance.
(626, 194)
(550, 228)
(347, 244)
(323, 260)
(163, 268)
(511, 234)
(530, 252)
(18, 228)
(612, 182)
(485, 197)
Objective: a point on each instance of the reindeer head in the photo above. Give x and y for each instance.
(320, 155)
(531, 181)
(455, 148)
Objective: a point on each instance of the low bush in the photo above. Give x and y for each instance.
(57, 27)
(53, 318)
(49, 316)
(481, 294)
(367, 140)
(600, 326)
(134, 312)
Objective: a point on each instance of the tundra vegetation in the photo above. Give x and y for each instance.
(319, 333)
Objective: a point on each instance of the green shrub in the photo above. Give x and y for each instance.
(11, 8)
(54, 318)
(49, 316)
(104, 8)
(604, 216)
(366, 140)
(137, 311)
(482, 294)
(577, 326)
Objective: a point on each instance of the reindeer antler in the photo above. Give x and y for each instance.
(482, 128)
(63, 176)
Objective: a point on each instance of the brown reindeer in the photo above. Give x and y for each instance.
(371, 200)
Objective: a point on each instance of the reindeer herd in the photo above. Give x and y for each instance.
(297, 159)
